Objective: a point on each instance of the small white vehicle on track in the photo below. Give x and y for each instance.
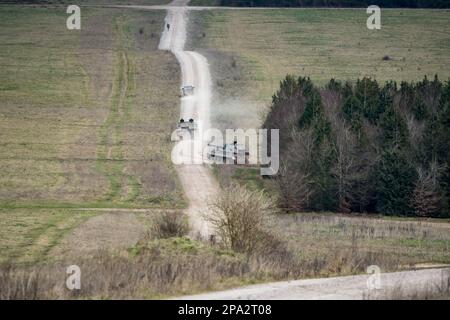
(187, 91)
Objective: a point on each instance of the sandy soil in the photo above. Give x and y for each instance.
(344, 288)
(197, 180)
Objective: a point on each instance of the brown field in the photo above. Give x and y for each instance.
(85, 122)
(96, 132)
(350, 243)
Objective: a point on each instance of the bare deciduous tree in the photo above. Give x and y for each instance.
(426, 199)
(295, 189)
(294, 180)
(345, 169)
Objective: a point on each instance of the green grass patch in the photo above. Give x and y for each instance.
(27, 236)
(85, 117)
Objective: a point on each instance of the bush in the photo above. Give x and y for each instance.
(241, 218)
(169, 225)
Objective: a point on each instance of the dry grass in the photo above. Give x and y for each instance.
(27, 236)
(169, 225)
(86, 116)
(323, 44)
(349, 244)
(85, 122)
(317, 245)
(151, 269)
(58, 154)
(44, 111)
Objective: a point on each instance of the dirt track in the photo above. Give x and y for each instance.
(197, 180)
(343, 288)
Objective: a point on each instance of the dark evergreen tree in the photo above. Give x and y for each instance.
(395, 183)
(352, 111)
(443, 142)
(395, 133)
(356, 147)
(368, 92)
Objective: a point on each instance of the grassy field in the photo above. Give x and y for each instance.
(336, 244)
(323, 245)
(251, 51)
(86, 116)
(85, 122)
(322, 44)
(27, 236)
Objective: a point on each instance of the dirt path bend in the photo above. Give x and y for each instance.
(197, 180)
(344, 288)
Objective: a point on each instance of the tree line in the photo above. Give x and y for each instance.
(363, 147)
(339, 3)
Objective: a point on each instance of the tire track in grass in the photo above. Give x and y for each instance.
(111, 162)
(38, 241)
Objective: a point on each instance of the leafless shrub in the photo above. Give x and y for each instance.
(240, 217)
(426, 199)
(169, 225)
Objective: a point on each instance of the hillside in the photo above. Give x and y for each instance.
(327, 3)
